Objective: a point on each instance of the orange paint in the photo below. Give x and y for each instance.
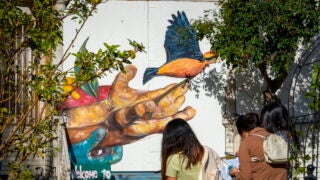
(184, 67)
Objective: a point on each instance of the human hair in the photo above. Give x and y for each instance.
(178, 137)
(275, 117)
(247, 122)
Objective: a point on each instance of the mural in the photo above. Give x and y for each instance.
(184, 58)
(103, 118)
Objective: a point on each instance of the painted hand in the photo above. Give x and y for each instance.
(80, 152)
(125, 114)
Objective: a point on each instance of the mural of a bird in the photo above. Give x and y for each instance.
(184, 58)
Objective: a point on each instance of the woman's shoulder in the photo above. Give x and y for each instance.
(175, 156)
(284, 134)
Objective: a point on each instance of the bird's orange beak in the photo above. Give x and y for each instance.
(211, 57)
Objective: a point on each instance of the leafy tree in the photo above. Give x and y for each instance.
(313, 93)
(264, 33)
(31, 89)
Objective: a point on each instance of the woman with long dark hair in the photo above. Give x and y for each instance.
(182, 153)
(275, 119)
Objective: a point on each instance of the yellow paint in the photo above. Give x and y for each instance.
(67, 87)
(75, 95)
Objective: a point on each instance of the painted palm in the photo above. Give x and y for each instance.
(184, 58)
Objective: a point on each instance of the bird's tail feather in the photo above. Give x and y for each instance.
(149, 74)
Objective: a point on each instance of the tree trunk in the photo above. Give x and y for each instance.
(272, 85)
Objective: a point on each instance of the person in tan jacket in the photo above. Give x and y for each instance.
(251, 157)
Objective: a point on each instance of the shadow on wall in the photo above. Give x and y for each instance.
(211, 82)
(249, 84)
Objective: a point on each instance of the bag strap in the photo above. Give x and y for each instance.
(255, 159)
(204, 163)
(263, 137)
(205, 159)
(211, 164)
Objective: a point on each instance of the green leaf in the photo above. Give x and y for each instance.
(315, 73)
(91, 87)
(2, 111)
(82, 49)
(307, 157)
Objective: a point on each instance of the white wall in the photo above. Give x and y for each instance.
(146, 22)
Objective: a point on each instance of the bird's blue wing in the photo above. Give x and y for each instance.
(181, 40)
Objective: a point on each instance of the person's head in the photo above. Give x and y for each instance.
(245, 123)
(274, 117)
(178, 137)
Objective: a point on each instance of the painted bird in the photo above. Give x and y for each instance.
(184, 58)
